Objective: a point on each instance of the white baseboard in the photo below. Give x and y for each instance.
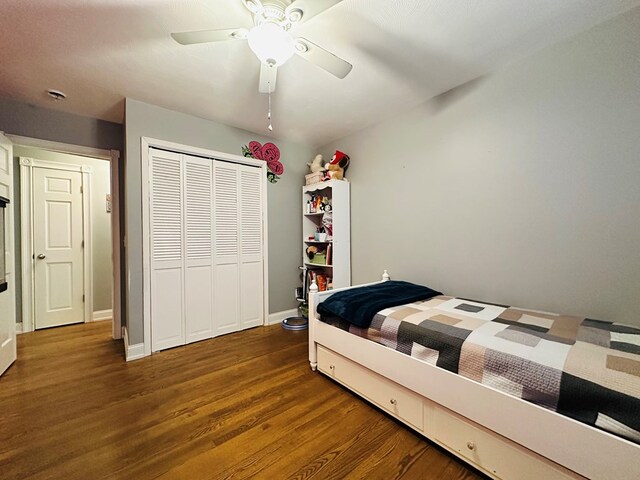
(101, 315)
(132, 352)
(279, 316)
(19, 327)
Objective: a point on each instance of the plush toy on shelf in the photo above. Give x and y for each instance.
(336, 168)
(311, 251)
(316, 164)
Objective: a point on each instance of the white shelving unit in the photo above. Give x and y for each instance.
(339, 242)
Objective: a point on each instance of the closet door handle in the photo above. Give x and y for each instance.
(42, 256)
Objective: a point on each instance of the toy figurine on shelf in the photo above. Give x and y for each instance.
(311, 252)
(314, 204)
(316, 169)
(327, 224)
(336, 168)
(316, 164)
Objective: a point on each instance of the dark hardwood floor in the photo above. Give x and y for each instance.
(241, 406)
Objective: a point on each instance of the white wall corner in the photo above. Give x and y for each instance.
(132, 352)
(102, 315)
(19, 327)
(277, 317)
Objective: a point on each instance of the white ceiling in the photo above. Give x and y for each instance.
(404, 52)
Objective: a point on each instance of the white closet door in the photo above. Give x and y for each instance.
(226, 248)
(166, 201)
(251, 251)
(198, 285)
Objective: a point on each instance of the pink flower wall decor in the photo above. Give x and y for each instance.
(270, 154)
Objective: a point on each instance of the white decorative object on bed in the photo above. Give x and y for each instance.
(503, 436)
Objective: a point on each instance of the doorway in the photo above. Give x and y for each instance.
(69, 235)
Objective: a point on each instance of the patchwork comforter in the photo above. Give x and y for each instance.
(586, 369)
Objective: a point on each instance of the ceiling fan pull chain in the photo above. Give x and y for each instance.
(270, 127)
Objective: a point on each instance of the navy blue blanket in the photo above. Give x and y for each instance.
(359, 305)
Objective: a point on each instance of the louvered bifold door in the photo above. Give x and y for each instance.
(226, 248)
(251, 247)
(198, 285)
(166, 202)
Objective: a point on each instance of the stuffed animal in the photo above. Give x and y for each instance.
(337, 166)
(334, 172)
(316, 164)
(311, 251)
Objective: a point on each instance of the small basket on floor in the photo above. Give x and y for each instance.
(295, 323)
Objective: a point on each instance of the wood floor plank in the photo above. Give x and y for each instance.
(241, 406)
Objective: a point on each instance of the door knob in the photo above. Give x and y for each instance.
(41, 256)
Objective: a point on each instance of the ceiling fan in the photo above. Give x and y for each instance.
(270, 39)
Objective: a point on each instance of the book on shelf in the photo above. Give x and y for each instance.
(323, 280)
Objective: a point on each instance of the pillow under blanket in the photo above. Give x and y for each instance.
(359, 305)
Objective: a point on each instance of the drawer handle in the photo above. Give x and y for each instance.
(471, 445)
(332, 367)
(393, 401)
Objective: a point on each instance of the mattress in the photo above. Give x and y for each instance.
(586, 369)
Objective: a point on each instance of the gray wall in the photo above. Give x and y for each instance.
(284, 198)
(19, 118)
(521, 188)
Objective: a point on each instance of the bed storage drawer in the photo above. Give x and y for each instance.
(391, 397)
(496, 455)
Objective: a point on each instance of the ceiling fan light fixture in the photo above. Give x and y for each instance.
(272, 44)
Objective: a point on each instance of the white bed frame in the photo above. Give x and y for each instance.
(503, 436)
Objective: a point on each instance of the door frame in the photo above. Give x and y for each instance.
(27, 165)
(113, 157)
(145, 144)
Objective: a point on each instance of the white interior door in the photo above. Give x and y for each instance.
(58, 247)
(7, 298)
(239, 280)
(251, 247)
(206, 245)
(226, 245)
(198, 275)
(167, 285)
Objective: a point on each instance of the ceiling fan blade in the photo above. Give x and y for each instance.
(254, 6)
(308, 9)
(322, 58)
(267, 78)
(206, 36)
